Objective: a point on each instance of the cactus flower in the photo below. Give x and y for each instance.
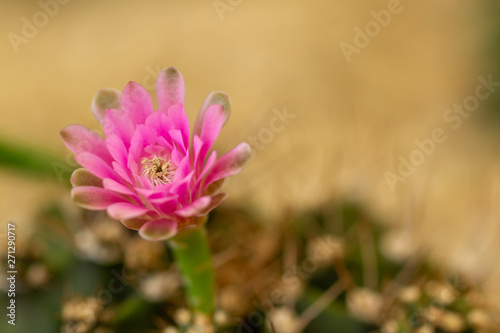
(149, 171)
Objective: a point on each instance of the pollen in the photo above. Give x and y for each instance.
(158, 169)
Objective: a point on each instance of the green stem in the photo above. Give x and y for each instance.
(192, 254)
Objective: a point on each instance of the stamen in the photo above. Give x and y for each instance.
(158, 169)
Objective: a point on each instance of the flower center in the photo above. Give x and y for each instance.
(158, 169)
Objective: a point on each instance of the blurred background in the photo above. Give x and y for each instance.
(357, 88)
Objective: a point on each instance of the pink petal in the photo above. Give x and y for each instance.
(166, 205)
(135, 170)
(202, 206)
(199, 149)
(126, 211)
(216, 200)
(177, 141)
(183, 169)
(118, 122)
(209, 165)
(136, 102)
(169, 88)
(165, 189)
(94, 198)
(183, 188)
(194, 208)
(230, 163)
(122, 172)
(157, 230)
(212, 124)
(177, 154)
(143, 182)
(83, 177)
(179, 120)
(216, 97)
(149, 193)
(79, 139)
(96, 165)
(114, 186)
(117, 149)
(206, 169)
(143, 136)
(163, 142)
(105, 99)
(160, 122)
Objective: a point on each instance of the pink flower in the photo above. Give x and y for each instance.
(148, 172)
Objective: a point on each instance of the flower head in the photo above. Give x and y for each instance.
(148, 171)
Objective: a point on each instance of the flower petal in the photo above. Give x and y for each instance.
(205, 171)
(208, 165)
(105, 99)
(202, 206)
(83, 177)
(195, 207)
(115, 186)
(79, 139)
(135, 224)
(177, 141)
(117, 122)
(230, 163)
(136, 102)
(96, 165)
(211, 127)
(212, 124)
(182, 188)
(94, 198)
(117, 149)
(216, 97)
(183, 169)
(216, 200)
(160, 122)
(125, 211)
(178, 118)
(143, 182)
(169, 88)
(143, 136)
(157, 230)
(214, 187)
(166, 205)
(121, 171)
(149, 193)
